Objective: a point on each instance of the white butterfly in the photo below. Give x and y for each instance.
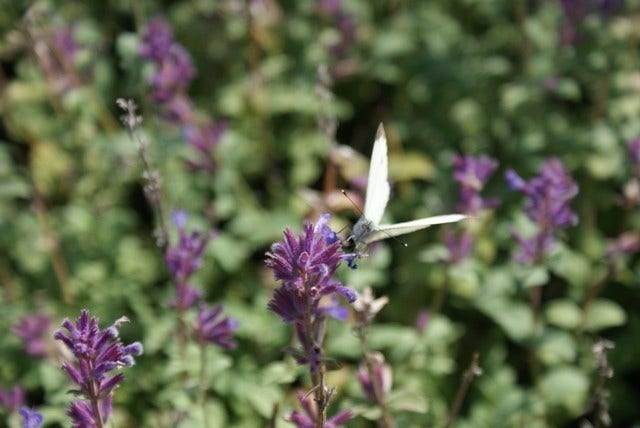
(368, 229)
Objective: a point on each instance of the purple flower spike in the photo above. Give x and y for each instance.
(307, 417)
(97, 352)
(30, 418)
(383, 378)
(34, 332)
(548, 205)
(210, 327)
(305, 265)
(472, 173)
(184, 259)
(157, 40)
(12, 399)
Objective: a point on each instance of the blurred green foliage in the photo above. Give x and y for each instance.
(474, 76)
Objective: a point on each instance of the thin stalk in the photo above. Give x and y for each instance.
(203, 385)
(472, 371)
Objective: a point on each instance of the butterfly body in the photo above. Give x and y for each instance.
(368, 228)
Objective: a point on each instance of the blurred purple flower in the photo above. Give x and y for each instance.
(305, 265)
(422, 320)
(205, 139)
(627, 243)
(34, 332)
(173, 76)
(12, 399)
(184, 259)
(30, 418)
(157, 40)
(548, 205)
(209, 327)
(97, 352)
(459, 245)
(65, 43)
(307, 418)
(383, 378)
(472, 173)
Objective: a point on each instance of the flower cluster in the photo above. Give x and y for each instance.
(34, 332)
(378, 388)
(12, 399)
(30, 418)
(184, 259)
(471, 173)
(173, 73)
(548, 205)
(307, 418)
(305, 266)
(346, 27)
(98, 353)
(210, 327)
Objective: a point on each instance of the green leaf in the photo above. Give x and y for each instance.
(563, 313)
(603, 314)
(567, 387)
(557, 347)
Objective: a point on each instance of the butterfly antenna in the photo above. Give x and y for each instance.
(344, 193)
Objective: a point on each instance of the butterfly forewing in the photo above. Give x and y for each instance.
(377, 185)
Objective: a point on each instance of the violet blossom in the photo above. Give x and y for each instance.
(184, 259)
(383, 378)
(210, 327)
(30, 418)
(97, 353)
(174, 71)
(12, 399)
(307, 417)
(305, 266)
(471, 173)
(34, 332)
(548, 205)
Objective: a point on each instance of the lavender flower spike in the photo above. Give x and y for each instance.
(98, 353)
(30, 418)
(472, 173)
(209, 327)
(34, 332)
(305, 266)
(548, 205)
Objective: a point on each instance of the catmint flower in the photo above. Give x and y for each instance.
(307, 417)
(305, 266)
(30, 418)
(157, 40)
(97, 353)
(459, 245)
(34, 332)
(548, 205)
(184, 259)
(383, 378)
(367, 306)
(472, 173)
(204, 138)
(12, 399)
(210, 327)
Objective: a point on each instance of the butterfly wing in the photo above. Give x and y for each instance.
(377, 185)
(384, 231)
